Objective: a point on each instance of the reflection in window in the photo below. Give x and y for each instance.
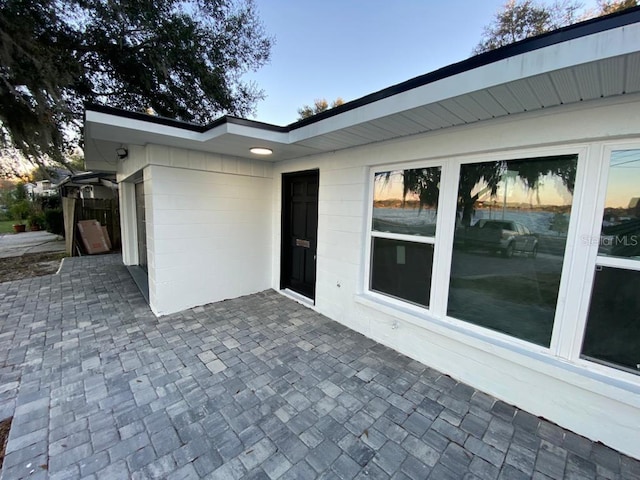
(402, 269)
(404, 201)
(509, 244)
(621, 220)
(613, 328)
(612, 335)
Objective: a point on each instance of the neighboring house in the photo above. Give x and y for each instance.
(48, 187)
(541, 132)
(41, 188)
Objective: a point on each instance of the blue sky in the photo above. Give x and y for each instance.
(350, 48)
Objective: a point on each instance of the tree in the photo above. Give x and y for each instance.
(183, 58)
(520, 19)
(319, 105)
(606, 7)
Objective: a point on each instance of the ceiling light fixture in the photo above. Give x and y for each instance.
(261, 151)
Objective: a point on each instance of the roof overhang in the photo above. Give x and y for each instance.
(105, 179)
(595, 59)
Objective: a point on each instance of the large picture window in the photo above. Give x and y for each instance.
(509, 243)
(612, 334)
(403, 232)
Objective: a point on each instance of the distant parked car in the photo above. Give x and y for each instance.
(500, 235)
(621, 239)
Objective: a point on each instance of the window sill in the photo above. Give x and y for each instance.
(512, 350)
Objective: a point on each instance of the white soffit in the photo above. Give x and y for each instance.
(601, 59)
(588, 67)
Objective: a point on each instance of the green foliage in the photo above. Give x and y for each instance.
(36, 219)
(184, 59)
(319, 105)
(50, 202)
(75, 162)
(20, 192)
(520, 19)
(20, 210)
(6, 226)
(54, 221)
(607, 7)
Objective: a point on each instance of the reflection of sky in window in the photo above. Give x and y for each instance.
(624, 178)
(390, 188)
(550, 191)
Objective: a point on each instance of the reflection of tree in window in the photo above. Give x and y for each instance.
(621, 219)
(405, 201)
(424, 183)
(508, 209)
(478, 179)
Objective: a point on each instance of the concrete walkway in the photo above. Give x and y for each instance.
(18, 244)
(258, 387)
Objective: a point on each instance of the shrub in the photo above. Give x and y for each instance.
(20, 210)
(54, 220)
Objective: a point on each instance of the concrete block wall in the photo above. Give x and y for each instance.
(208, 226)
(600, 403)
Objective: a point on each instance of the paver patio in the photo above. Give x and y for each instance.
(258, 387)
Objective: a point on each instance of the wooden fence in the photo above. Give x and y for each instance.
(105, 211)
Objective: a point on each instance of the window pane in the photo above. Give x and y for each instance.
(613, 326)
(405, 201)
(402, 269)
(621, 221)
(509, 244)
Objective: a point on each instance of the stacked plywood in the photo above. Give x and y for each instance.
(94, 237)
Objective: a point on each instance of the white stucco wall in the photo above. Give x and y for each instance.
(598, 402)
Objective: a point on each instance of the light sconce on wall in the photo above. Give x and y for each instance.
(122, 152)
(261, 151)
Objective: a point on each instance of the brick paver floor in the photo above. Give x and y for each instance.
(258, 387)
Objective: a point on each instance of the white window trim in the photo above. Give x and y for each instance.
(403, 237)
(600, 175)
(369, 233)
(577, 270)
(445, 229)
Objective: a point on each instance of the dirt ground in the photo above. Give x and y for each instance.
(30, 265)
(4, 433)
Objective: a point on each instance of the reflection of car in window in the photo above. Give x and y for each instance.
(621, 239)
(499, 235)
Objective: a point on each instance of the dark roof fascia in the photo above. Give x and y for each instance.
(571, 32)
(171, 122)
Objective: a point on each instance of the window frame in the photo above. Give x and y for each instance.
(578, 268)
(370, 234)
(443, 243)
(601, 168)
(580, 151)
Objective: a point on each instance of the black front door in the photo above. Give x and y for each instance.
(299, 232)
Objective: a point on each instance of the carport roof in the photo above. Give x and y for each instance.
(594, 59)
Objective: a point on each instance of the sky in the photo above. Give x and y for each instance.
(624, 178)
(350, 48)
(551, 190)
